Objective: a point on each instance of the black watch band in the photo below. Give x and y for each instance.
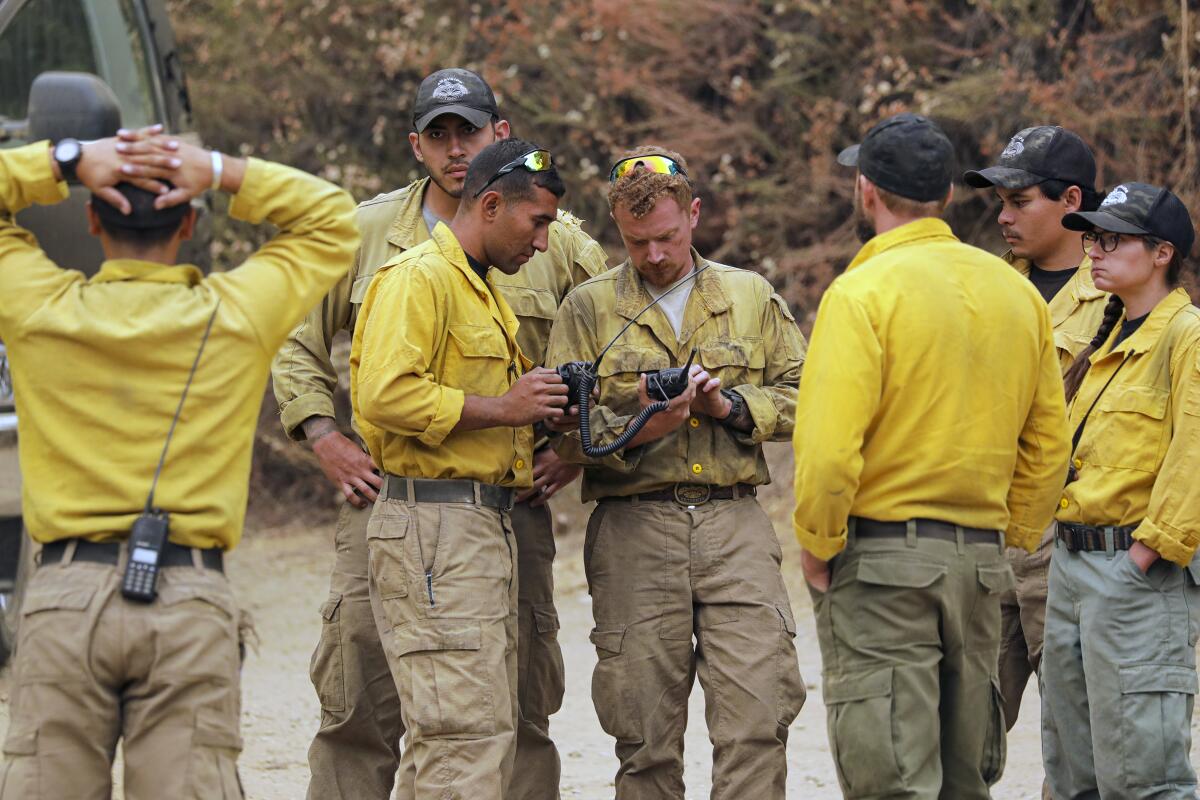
(737, 407)
(67, 154)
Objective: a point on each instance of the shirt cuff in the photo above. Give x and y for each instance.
(1173, 545)
(823, 547)
(34, 163)
(449, 412)
(293, 413)
(250, 203)
(762, 412)
(1025, 538)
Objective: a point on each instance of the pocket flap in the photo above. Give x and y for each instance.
(632, 359)
(21, 741)
(175, 591)
(856, 686)
(75, 598)
(996, 578)
(610, 639)
(358, 290)
(386, 525)
(898, 572)
(527, 302)
(437, 634)
(1148, 400)
(733, 353)
(789, 622)
(212, 730)
(545, 616)
(329, 607)
(479, 341)
(1144, 678)
(1193, 571)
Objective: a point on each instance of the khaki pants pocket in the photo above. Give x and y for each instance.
(862, 732)
(1156, 712)
(386, 532)
(614, 689)
(21, 780)
(212, 773)
(326, 668)
(545, 664)
(995, 745)
(792, 692)
(443, 672)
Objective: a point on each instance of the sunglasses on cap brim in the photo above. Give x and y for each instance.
(658, 164)
(533, 161)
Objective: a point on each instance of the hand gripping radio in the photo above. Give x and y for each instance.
(663, 385)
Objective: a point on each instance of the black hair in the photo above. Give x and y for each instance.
(1054, 189)
(516, 185)
(144, 226)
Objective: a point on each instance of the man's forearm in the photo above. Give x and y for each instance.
(483, 412)
(317, 428)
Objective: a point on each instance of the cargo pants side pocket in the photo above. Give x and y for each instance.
(862, 732)
(326, 669)
(443, 679)
(21, 780)
(1155, 718)
(215, 747)
(995, 742)
(613, 693)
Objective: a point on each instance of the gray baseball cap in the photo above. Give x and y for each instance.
(1034, 155)
(1139, 209)
(454, 91)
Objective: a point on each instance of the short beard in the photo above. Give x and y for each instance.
(455, 193)
(864, 228)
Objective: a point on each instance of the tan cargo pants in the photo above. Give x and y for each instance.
(909, 633)
(443, 582)
(355, 754)
(660, 574)
(1023, 623)
(93, 668)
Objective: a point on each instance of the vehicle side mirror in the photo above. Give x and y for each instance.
(76, 105)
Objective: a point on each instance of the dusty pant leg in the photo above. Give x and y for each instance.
(182, 704)
(357, 748)
(1066, 718)
(878, 628)
(444, 580)
(65, 714)
(971, 707)
(636, 560)
(1139, 662)
(540, 679)
(1014, 666)
(1022, 623)
(746, 660)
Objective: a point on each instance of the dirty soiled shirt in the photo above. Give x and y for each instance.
(304, 374)
(672, 300)
(932, 390)
(743, 333)
(1075, 310)
(1139, 455)
(431, 332)
(99, 365)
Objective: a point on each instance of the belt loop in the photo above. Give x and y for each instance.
(1001, 533)
(910, 533)
(477, 492)
(959, 540)
(197, 557)
(851, 536)
(410, 492)
(69, 552)
(1110, 547)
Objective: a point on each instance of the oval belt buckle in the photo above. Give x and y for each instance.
(692, 494)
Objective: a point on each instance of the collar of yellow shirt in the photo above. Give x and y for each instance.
(129, 269)
(1082, 289)
(1147, 335)
(408, 227)
(447, 244)
(920, 230)
(632, 297)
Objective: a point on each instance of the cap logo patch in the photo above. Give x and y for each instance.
(1117, 195)
(449, 90)
(1015, 148)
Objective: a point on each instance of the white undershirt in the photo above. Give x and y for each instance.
(674, 303)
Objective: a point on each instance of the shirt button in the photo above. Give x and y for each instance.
(520, 463)
(1079, 463)
(695, 423)
(1063, 503)
(697, 469)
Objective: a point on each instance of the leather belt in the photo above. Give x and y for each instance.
(693, 494)
(449, 490)
(926, 529)
(173, 555)
(1090, 538)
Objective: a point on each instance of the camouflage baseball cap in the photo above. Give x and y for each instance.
(907, 155)
(1142, 210)
(1039, 154)
(454, 91)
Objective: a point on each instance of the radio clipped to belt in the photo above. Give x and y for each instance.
(664, 385)
(148, 537)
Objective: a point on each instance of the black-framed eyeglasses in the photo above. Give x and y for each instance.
(534, 161)
(1108, 240)
(652, 163)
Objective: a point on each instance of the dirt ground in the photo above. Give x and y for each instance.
(281, 575)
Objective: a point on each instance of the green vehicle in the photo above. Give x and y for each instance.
(80, 69)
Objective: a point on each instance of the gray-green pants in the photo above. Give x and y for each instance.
(1118, 677)
(909, 633)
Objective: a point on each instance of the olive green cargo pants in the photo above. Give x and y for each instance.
(356, 751)
(1119, 677)
(660, 574)
(909, 633)
(1023, 623)
(443, 582)
(93, 667)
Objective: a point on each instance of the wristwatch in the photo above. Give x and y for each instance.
(737, 407)
(67, 153)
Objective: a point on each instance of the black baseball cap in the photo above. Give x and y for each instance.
(143, 215)
(1142, 210)
(1034, 155)
(454, 91)
(907, 155)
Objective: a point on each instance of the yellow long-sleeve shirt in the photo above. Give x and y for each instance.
(429, 333)
(1139, 456)
(1075, 311)
(932, 390)
(98, 365)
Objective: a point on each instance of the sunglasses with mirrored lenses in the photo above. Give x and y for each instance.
(1108, 240)
(534, 161)
(660, 164)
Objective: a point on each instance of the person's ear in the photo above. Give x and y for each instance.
(1072, 200)
(866, 191)
(502, 129)
(1163, 254)
(694, 212)
(187, 226)
(414, 139)
(489, 204)
(94, 227)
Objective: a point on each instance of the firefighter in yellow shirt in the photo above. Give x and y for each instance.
(1119, 667)
(99, 370)
(929, 432)
(1043, 173)
(445, 400)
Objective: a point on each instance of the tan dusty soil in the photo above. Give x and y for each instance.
(281, 575)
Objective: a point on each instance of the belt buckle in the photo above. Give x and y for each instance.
(692, 494)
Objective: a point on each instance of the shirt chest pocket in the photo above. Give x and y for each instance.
(734, 361)
(477, 360)
(534, 310)
(620, 372)
(1136, 428)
